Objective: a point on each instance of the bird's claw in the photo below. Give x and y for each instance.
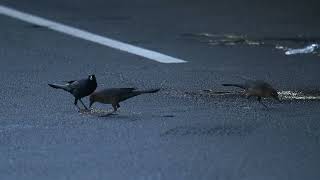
(84, 110)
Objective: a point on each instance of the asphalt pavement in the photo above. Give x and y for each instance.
(183, 131)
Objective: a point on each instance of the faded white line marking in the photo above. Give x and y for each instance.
(82, 34)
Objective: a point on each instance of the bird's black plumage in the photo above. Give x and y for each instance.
(78, 88)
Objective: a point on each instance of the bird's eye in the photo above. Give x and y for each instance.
(91, 78)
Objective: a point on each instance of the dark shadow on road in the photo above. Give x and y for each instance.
(226, 130)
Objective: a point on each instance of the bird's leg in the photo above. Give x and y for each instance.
(243, 93)
(83, 104)
(259, 99)
(115, 108)
(276, 98)
(110, 113)
(76, 103)
(247, 94)
(118, 105)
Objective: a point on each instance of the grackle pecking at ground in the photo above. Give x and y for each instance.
(114, 96)
(79, 88)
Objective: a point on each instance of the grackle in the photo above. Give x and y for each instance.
(257, 88)
(78, 88)
(114, 96)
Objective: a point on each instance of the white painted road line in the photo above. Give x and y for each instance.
(82, 34)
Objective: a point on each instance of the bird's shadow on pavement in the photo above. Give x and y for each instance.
(220, 130)
(108, 115)
(123, 115)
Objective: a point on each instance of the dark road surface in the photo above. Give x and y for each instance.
(178, 133)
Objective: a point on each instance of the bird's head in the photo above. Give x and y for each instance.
(92, 77)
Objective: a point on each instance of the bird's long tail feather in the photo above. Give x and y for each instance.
(59, 86)
(148, 91)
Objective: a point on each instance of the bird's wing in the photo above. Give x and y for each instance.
(69, 82)
(117, 91)
(261, 85)
(127, 89)
(123, 90)
(74, 85)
